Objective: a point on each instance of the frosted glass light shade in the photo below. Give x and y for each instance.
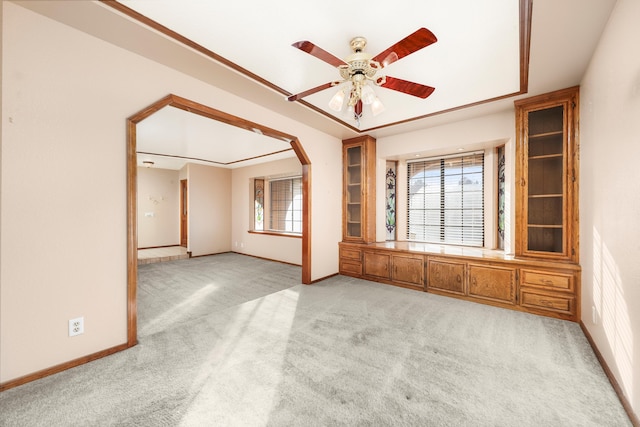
(367, 95)
(377, 107)
(336, 102)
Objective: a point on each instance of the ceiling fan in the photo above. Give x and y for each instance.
(360, 68)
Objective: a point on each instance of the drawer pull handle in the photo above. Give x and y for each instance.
(459, 278)
(547, 282)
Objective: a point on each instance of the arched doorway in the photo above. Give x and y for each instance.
(132, 233)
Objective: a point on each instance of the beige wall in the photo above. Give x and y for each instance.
(610, 197)
(209, 209)
(158, 207)
(286, 249)
(66, 96)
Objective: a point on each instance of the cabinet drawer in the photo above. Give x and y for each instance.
(350, 254)
(350, 268)
(377, 265)
(552, 302)
(556, 281)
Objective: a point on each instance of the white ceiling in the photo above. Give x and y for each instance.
(248, 52)
(475, 58)
(172, 137)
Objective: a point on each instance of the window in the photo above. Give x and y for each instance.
(502, 194)
(285, 207)
(446, 200)
(258, 204)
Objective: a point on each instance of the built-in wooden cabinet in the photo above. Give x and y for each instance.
(350, 261)
(547, 176)
(544, 275)
(549, 288)
(472, 279)
(544, 291)
(358, 199)
(401, 269)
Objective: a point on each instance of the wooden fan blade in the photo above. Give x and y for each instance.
(408, 45)
(410, 88)
(312, 49)
(310, 91)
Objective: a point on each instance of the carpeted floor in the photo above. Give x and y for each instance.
(230, 340)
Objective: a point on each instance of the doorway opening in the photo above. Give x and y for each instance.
(132, 232)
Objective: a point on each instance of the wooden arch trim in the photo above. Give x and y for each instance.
(132, 176)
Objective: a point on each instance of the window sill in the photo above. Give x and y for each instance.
(276, 233)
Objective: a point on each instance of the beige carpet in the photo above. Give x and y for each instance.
(340, 352)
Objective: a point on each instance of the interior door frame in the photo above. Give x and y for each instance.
(184, 214)
(132, 192)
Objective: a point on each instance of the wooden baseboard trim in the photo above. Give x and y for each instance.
(324, 278)
(62, 367)
(211, 254)
(612, 379)
(267, 259)
(159, 247)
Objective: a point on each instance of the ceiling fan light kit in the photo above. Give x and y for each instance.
(359, 71)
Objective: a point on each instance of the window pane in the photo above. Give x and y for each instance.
(286, 205)
(258, 191)
(446, 200)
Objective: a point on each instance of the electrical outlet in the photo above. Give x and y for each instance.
(76, 326)
(594, 315)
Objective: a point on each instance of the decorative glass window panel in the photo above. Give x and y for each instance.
(390, 199)
(501, 196)
(445, 202)
(285, 212)
(258, 205)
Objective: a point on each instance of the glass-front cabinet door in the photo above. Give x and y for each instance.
(353, 192)
(358, 209)
(546, 209)
(545, 202)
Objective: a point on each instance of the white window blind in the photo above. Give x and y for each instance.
(285, 210)
(446, 200)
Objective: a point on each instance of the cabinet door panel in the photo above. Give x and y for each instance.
(377, 265)
(408, 269)
(493, 283)
(446, 276)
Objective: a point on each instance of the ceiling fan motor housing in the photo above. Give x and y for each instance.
(359, 62)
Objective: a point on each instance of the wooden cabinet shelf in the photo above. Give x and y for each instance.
(546, 134)
(545, 156)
